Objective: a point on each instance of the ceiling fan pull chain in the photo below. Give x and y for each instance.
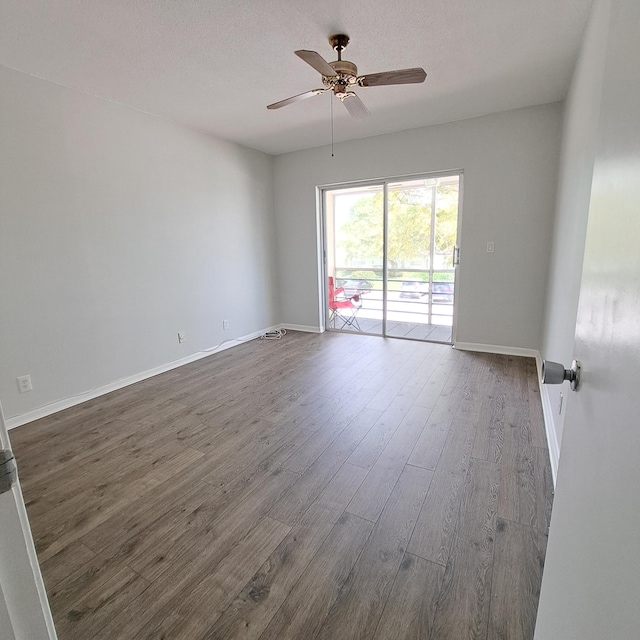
(331, 107)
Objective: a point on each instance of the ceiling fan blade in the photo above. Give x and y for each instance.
(316, 61)
(355, 106)
(300, 96)
(401, 76)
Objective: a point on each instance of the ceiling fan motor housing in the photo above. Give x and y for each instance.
(346, 75)
(344, 68)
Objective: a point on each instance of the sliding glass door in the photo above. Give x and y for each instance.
(354, 255)
(390, 254)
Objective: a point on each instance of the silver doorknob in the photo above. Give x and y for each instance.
(555, 373)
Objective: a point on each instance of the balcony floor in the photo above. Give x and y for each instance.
(412, 330)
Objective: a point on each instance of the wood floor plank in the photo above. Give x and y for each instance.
(250, 613)
(362, 366)
(304, 610)
(396, 387)
(411, 607)
(77, 524)
(65, 562)
(201, 604)
(93, 577)
(463, 604)
(430, 445)
(337, 422)
(434, 385)
(174, 496)
(151, 548)
(538, 436)
(255, 453)
(370, 499)
(295, 408)
(357, 610)
(491, 425)
(526, 488)
(216, 533)
(515, 594)
(147, 549)
(132, 444)
(433, 355)
(471, 386)
(44, 461)
(434, 531)
(372, 445)
(234, 439)
(96, 608)
(189, 560)
(298, 499)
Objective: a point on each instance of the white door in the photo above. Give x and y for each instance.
(591, 583)
(24, 610)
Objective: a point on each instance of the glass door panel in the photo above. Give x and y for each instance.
(447, 197)
(409, 240)
(354, 246)
(389, 252)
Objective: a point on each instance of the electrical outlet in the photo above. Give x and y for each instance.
(24, 384)
(225, 324)
(182, 337)
(490, 247)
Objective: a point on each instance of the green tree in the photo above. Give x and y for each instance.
(446, 219)
(409, 225)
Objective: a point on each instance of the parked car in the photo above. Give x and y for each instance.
(354, 287)
(413, 289)
(442, 292)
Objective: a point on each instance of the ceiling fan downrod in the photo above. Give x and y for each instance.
(339, 42)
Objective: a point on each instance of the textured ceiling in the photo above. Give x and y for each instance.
(216, 64)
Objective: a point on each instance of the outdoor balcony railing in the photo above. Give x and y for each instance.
(409, 299)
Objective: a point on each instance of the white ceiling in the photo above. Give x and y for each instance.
(216, 64)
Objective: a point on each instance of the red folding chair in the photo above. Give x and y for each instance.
(343, 309)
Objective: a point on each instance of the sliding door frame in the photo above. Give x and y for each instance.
(385, 259)
(321, 192)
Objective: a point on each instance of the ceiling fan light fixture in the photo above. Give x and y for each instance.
(340, 90)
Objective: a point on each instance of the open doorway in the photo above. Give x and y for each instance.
(391, 250)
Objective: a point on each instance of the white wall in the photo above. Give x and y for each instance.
(510, 163)
(117, 230)
(591, 583)
(579, 138)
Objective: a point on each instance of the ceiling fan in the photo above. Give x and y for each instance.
(339, 76)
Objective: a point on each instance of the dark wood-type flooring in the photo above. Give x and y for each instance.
(326, 487)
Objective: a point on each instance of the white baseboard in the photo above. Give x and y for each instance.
(549, 424)
(493, 348)
(302, 327)
(60, 405)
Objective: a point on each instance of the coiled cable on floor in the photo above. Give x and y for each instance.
(276, 334)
